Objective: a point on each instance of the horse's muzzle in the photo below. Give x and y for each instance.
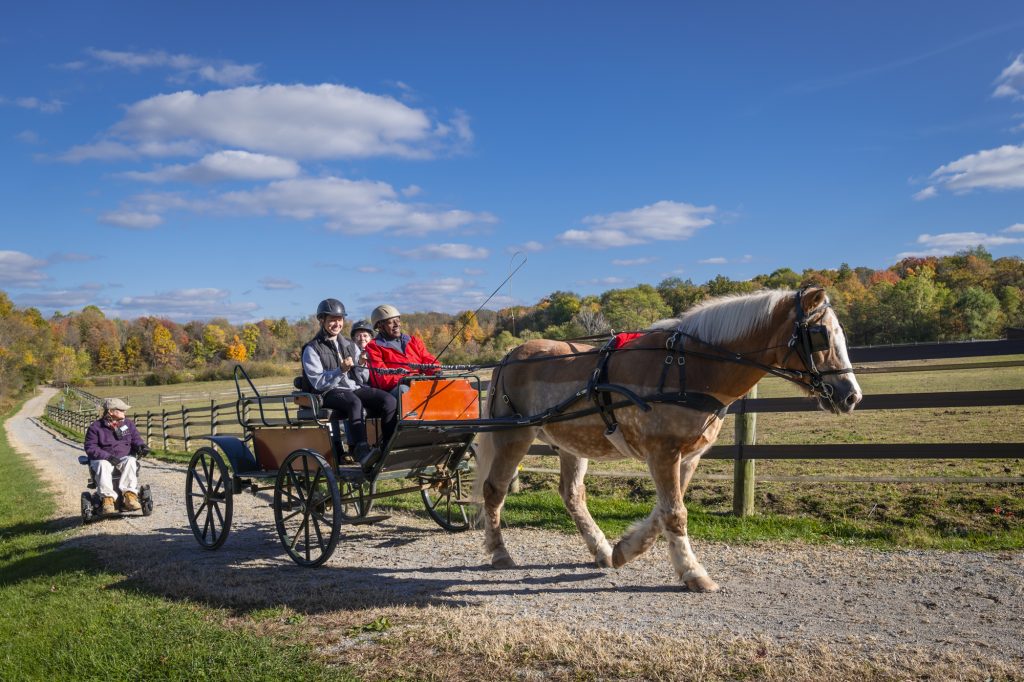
(843, 398)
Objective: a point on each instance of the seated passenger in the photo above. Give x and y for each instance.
(362, 334)
(391, 349)
(111, 442)
(328, 361)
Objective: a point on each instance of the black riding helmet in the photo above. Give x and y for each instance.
(330, 306)
(361, 326)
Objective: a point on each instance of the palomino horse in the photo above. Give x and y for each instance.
(660, 399)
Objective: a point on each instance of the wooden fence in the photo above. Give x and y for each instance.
(178, 428)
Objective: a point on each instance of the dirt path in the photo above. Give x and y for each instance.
(792, 592)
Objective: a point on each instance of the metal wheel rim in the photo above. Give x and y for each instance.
(440, 505)
(208, 498)
(307, 508)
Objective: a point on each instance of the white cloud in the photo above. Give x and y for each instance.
(528, 247)
(602, 281)
(51, 106)
(223, 165)
(1010, 82)
(277, 283)
(633, 261)
(368, 269)
(948, 243)
(448, 295)
(349, 206)
(59, 299)
(473, 272)
(1016, 227)
(110, 150)
(21, 270)
(1000, 168)
(453, 251)
(715, 260)
(221, 72)
(132, 220)
(926, 193)
(27, 136)
(324, 121)
(187, 304)
(412, 191)
(661, 221)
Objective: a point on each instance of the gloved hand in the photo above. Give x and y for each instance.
(140, 451)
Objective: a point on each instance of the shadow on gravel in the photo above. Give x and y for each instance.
(251, 571)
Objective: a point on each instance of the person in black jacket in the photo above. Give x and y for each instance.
(328, 365)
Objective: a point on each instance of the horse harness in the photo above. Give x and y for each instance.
(809, 337)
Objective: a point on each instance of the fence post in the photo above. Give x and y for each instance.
(184, 425)
(149, 429)
(213, 417)
(163, 428)
(743, 468)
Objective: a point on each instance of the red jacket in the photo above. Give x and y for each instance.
(384, 356)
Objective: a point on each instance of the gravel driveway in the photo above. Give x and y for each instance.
(788, 592)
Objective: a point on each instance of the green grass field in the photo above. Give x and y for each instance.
(61, 618)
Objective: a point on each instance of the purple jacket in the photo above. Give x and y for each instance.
(102, 443)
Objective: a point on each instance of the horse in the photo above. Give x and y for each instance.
(660, 399)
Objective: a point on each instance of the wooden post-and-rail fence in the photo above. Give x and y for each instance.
(179, 428)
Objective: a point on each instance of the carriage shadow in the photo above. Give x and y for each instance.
(251, 571)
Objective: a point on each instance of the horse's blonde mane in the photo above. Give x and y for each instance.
(727, 318)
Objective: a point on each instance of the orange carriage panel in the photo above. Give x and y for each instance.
(438, 399)
(272, 446)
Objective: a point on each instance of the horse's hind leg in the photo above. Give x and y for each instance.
(509, 448)
(574, 494)
(673, 511)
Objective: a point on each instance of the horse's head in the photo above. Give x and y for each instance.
(816, 352)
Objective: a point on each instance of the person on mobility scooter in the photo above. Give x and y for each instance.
(112, 445)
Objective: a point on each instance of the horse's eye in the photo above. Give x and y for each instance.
(818, 336)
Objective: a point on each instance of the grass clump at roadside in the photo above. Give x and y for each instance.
(62, 617)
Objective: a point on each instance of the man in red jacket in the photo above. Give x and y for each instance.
(391, 349)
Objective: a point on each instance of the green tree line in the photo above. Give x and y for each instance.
(969, 295)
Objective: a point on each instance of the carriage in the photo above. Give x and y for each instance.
(295, 447)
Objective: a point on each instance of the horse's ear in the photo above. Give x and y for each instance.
(812, 298)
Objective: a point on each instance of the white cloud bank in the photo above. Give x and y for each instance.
(1000, 169)
(186, 304)
(450, 251)
(948, 243)
(224, 165)
(1011, 81)
(301, 122)
(21, 270)
(221, 72)
(661, 221)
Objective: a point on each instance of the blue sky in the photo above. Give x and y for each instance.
(246, 160)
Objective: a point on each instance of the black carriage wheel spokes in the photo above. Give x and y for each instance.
(308, 532)
(444, 500)
(357, 499)
(208, 499)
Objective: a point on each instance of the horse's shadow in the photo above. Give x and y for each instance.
(251, 571)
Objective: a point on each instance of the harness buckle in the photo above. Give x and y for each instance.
(668, 359)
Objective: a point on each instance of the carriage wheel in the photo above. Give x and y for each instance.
(208, 498)
(447, 499)
(86, 507)
(307, 508)
(356, 502)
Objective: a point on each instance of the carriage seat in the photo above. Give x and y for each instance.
(306, 409)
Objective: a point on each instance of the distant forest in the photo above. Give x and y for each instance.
(969, 295)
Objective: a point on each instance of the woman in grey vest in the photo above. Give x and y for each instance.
(328, 364)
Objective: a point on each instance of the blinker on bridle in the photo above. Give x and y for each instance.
(809, 339)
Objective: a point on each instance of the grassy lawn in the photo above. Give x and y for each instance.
(63, 618)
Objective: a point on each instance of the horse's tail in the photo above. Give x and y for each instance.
(484, 444)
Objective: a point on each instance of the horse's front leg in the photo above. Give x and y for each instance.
(574, 495)
(673, 512)
(506, 451)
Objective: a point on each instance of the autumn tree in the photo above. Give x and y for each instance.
(634, 308)
(165, 350)
(236, 350)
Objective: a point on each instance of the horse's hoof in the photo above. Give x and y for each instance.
(605, 561)
(702, 584)
(503, 562)
(618, 557)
